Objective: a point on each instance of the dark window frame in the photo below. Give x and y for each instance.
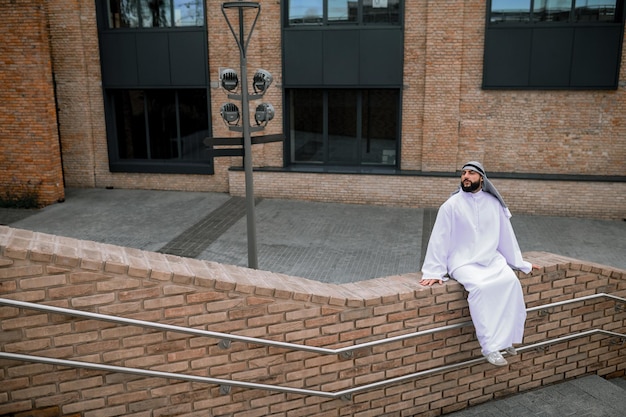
(147, 163)
(530, 16)
(358, 142)
(113, 21)
(174, 74)
(360, 19)
(553, 55)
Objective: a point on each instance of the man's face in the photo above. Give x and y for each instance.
(471, 181)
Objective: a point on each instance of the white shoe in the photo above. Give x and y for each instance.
(495, 358)
(511, 351)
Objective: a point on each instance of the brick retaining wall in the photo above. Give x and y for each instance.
(108, 279)
(532, 197)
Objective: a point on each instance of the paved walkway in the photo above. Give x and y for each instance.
(331, 243)
(590, 396)
(327, 242)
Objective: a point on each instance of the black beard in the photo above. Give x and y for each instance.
(470, 188)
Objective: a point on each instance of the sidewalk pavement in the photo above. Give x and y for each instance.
(328, 242)
(589, 396)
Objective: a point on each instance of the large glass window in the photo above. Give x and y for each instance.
(161, 124)
(596, 10)
(552, 10)
(381, 11)
(379, 129)
(307, 125)
(344, 126)
(154, 13)
(342, 11)
(522, 11)
(188, 12)
(553, 44)
(306, 12)
(510, 11)
(122, 14)
(302, 12)
(157, 102)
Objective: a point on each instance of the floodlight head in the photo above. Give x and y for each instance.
(261, 81)
(264, 113)
(230, 113)
(229, 79)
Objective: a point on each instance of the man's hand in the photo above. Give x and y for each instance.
(427, 282)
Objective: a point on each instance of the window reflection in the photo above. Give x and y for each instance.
(596, 10)
(381, 11)
(131, 124)
(123, 14)
(379, 127)
(188, 13)
(301, 12)
(342, 135)
(342, 11)
(552, 10)
(510, 11)
(161, 115)
(306, 12)
(307, 126)
(344, 126)
(193, 121)
(155, 13)
(518, 11)
(161, 124)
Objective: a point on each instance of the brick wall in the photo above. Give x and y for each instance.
(532, 197)
(447, 118)
(101, 278)
(76, 63)
(30, 155)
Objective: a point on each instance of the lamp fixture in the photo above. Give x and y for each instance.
(230, 113)
(264, 113)
(261, 81)
(229, 79)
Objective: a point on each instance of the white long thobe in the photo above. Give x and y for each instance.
(473, 242)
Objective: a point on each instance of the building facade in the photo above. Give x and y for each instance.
(378, 101)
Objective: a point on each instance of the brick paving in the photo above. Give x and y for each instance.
(326, 242)
(591, 396)
(202, 234)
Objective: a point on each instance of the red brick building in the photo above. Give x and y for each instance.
(380, 102)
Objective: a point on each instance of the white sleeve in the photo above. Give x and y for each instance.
(508, 246)
(436, 260)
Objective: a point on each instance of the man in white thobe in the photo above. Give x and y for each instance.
(473, 242)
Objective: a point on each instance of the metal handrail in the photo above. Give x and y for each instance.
(573, 300)
(345, 394)
(265, 342)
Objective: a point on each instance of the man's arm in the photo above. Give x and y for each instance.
(509, 248)
(435, 265)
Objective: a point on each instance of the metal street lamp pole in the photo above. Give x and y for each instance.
(242, 42)
(247, 164)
